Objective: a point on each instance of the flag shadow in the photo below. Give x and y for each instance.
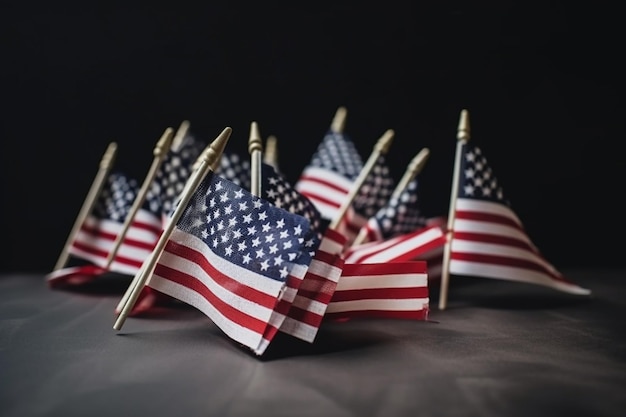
(330, 339)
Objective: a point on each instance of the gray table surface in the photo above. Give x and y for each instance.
(499, 349)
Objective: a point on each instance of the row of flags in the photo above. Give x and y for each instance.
(344, 241)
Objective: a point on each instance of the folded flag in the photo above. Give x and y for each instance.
(231, 255)
(488, 238)
(384, 290)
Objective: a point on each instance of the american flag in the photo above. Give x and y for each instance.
(371, 196)
(328, 178)
(488, 238)
(231, 255)
(173, 173)
(98, 233)
(425, 244)
(280, 193)
(235, 169)
(400, 215)
(386, 290)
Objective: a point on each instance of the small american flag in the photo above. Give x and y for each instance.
(386, 290)
(235, 169)
(97, 235)
(328, 178)
(173, 173)
(488, 238)
(231, 255)
(400, 215)
(371, 196)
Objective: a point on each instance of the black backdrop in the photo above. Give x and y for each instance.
(543, 87)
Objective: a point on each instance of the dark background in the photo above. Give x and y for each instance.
(543, 87)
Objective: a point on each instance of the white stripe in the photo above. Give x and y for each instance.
(410, 304)
(236, 332)
(513, 274)
(395, 249)
(489, 228)
(361, 282)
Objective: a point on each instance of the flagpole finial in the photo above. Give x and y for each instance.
(180, 134)
(463, 132)
(270, 156)
(385, 140)
(254, 142)
(164, 144)
(214, 151)
(339, 121)
(109, 156)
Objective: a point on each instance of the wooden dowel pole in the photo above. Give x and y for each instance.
(381, 148)
(106, 163)
(255, 148)
(216, 148)
(463, 135)
(160, 150)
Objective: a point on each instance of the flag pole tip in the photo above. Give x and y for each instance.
(463, 131)
(339, 121)
(165, 142)
(385, 141)
(254, 142)
(181, 133)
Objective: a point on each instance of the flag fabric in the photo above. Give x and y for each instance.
(280, 193)
(371, 196)
(235, 169)
(311, 301)
(231, 255)
(398, 216)
(98, 233)
(425, 244)
(328, 178)
(172, 175)
(489, 240)
(384, 290)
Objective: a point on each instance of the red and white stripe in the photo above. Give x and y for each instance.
(385, 290)
(489, 241)
(326, 189)
(240, 302)
(315, 293)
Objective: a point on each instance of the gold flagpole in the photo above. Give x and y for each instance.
(207, 159)
(463, 135)
(381, 148)
(255, 148)
(414, 168)
(106, 163)
(270, 155)
(160, 150)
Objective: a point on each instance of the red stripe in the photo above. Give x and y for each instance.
(494, 239)
(305, 316)
(322, 181)
(400, 268)
(225, 309)
(222, 280)
(486, 217)
(504, 261)
(384, 314)
(89, 249)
